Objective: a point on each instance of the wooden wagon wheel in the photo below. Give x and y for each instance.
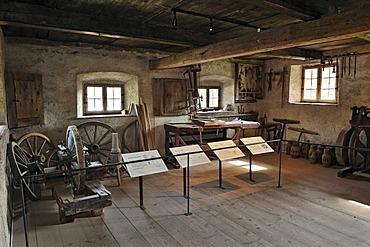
(341, 154)
(22, 168)
(360, 138)
(97, 137)
(74, 148)
(37, 147)
(129, 138)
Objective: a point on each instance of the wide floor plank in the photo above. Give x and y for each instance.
(312, 208)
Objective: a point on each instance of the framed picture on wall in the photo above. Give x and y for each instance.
(248, 83)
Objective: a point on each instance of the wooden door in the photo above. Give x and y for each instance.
(24, 99)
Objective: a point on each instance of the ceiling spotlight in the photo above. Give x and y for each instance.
(210, 25)
(174, 21)
(258, 30)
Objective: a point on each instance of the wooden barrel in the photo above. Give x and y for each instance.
(294, 151)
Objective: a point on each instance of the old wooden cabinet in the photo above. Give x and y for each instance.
(24, 99)
(169, 97)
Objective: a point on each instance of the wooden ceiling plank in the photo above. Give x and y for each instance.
(26, 15)
(339, 26)
(291, 8)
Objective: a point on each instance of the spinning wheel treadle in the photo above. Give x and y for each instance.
(22, 167)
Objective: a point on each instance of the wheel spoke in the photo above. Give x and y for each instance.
(103, 137)
(29, 146)
(106, 143)
(42, 147)
(35, 145)
(95, 132)
(87, 135)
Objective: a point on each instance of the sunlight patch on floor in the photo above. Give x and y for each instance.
(360, 204)
(246, 165)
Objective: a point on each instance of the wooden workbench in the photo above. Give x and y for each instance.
(179, 130)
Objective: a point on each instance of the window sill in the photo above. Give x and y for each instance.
(313, 103)
(106, 116)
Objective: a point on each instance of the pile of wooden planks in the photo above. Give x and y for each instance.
(146, 136)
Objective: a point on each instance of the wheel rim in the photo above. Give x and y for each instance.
(341, 154)
(360, 139)
(97, 137)
(22, 168)
(37, 147)
(74, 148)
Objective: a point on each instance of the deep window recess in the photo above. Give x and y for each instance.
(210, 97)
(319, 84)
(103, 99)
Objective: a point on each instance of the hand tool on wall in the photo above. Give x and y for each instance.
(349, 65)
(355, 68)
(270, 80)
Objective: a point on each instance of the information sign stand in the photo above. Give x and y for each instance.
(255, 145)
(148, 162)
(225, 150)
(188, 156)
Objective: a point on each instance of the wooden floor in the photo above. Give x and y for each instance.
(312, 208)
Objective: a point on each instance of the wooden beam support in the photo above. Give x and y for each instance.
(344, 25)
(346, 51)
(291, 53)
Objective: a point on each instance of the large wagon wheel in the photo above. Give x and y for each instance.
(22, 169)
(97, 137)
(129, 138)
(360, 139)
(37, 147)
(74, 146)
(341, 154)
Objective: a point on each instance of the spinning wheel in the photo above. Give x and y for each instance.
(22, 167)
(37, 147)
(97, 137)
(360, 138)
(74, 149)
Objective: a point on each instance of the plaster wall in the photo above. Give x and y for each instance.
(327, 120)
(60, 68)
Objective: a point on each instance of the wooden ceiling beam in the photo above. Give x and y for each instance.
(360, 49)
(291, 53)
(340, 26)
(40, 17)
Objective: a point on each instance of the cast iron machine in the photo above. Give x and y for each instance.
(83, 193)
(355, 153)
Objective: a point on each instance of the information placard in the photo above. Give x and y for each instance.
(195, 159)
(261, 148)
(143, 168)
(226, 154)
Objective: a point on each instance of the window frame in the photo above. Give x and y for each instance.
(319, 83)
(208, 96)
(105, 99)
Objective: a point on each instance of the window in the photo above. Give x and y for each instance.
(319, 84)
(210, 97)
(103, 99)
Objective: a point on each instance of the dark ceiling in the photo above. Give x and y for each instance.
(147, 25)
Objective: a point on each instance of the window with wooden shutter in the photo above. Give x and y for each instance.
(25, 103)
